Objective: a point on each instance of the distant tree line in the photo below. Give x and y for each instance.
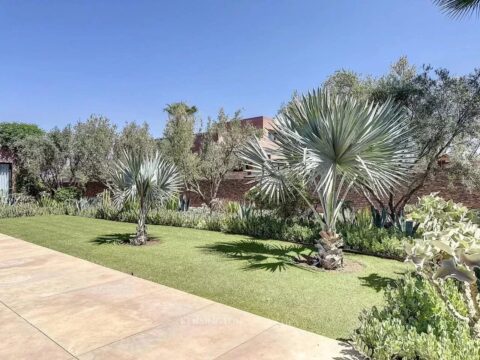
(444, 110)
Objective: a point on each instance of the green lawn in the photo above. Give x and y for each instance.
(255, 276)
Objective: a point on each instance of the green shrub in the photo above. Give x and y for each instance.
(232, 207)
(29, 209)
(172, 203)
(362, 235)
(300, 234)
(66, 194)
(237, 219)
(370, 239)
(415, 325)
(433, 213)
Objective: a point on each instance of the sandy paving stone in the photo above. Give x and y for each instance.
(204, 334)
(285, 342)
(19, 340)
(63, 306)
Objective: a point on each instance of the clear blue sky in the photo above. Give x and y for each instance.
(61, 61)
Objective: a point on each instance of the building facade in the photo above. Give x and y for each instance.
(7, 173)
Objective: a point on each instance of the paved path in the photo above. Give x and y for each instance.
(55, 306)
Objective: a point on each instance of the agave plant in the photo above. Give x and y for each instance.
(143, 180)
(331, 143)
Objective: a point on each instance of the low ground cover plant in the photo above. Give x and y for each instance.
(415, 324)
(434, 314)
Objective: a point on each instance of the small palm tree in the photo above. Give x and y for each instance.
(329, 144)
(144, 180)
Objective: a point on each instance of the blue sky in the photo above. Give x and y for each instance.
(61, 61)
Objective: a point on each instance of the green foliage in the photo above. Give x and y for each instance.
(232, 207)
(135, 138)
(300, 234)
(450, 248)
(12, 132)
(42, 160)
(172, 203)
(363, 234)
(270, 226)
(67, 194)
(179, 138)
(217, 154)
(435, 213)
(442, 108)
(416, 325)
(373, 240)
(91, 147)
(291, 206)
(29, 209)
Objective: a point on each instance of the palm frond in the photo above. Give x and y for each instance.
(459, 8)
(272, 177)
(333, 143)
(148, 178)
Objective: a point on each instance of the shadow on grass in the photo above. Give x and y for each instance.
(118, 239)
(259, 255)
(377, 282)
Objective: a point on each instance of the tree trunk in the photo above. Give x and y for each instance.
(329, 246)
(330, 253)
(141, 235)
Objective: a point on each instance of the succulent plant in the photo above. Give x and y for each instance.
(450, 248)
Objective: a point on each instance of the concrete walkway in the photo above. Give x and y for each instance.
(55, 306)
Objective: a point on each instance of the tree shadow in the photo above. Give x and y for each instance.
(377, 282)
(259, 255)
(118, 239)
(348, 352)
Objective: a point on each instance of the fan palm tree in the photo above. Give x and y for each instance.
(144, 180)
(459, 8)
(330, 144)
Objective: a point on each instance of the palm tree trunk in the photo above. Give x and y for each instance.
(329, 246)
(141, 235)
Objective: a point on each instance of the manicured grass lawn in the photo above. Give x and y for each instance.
(255, 276)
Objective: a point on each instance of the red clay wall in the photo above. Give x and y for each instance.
(234, 189)
(92, 189)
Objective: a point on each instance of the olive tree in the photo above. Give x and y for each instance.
(331, 143)
(445, 111)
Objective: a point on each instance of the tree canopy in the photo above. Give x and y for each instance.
(11, 132)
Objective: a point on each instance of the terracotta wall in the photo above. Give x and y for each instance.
(94, 188)
(230, 189)
(234, 189)
(445, 188)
